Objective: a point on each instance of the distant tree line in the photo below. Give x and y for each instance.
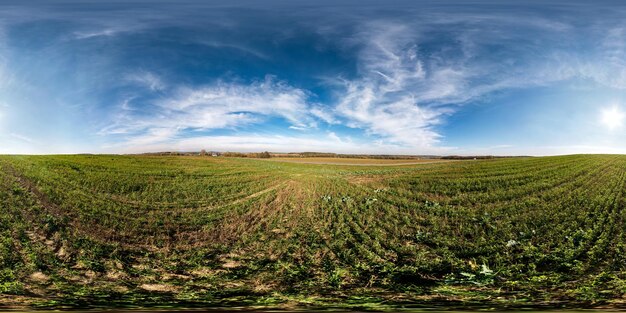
(257, 155)
(475, 157)
(350, 156)
(267, 155)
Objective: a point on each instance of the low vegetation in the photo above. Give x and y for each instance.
(356, 161)
(105, 231)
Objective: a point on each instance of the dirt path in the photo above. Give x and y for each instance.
(257, 194)
(39, 196)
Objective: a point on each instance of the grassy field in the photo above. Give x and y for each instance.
(103, 231)
(355, 161)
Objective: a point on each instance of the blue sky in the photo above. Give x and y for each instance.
(385, 77)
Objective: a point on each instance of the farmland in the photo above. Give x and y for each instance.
(105, 231)
(354, 161)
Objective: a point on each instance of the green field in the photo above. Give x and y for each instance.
(106, 231)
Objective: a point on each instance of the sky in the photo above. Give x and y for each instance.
(375, 77)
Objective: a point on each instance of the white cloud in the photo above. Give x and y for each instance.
(608, 64)
(92, 34)
(324, 113)
(239, 47)
(332, 136)
(22, 138)
(147, 79)
(217, 106)
(403, 93)
(224, 105)
(152, 136)
(395, 95)
(6, 77)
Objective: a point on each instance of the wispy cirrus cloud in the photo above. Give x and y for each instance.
(147, 79)
(217, 106)
(96, 33)
(393, 92)
(22, 138)
(413, 75)
(6, 77)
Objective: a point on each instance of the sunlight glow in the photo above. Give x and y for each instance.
(612, 117)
